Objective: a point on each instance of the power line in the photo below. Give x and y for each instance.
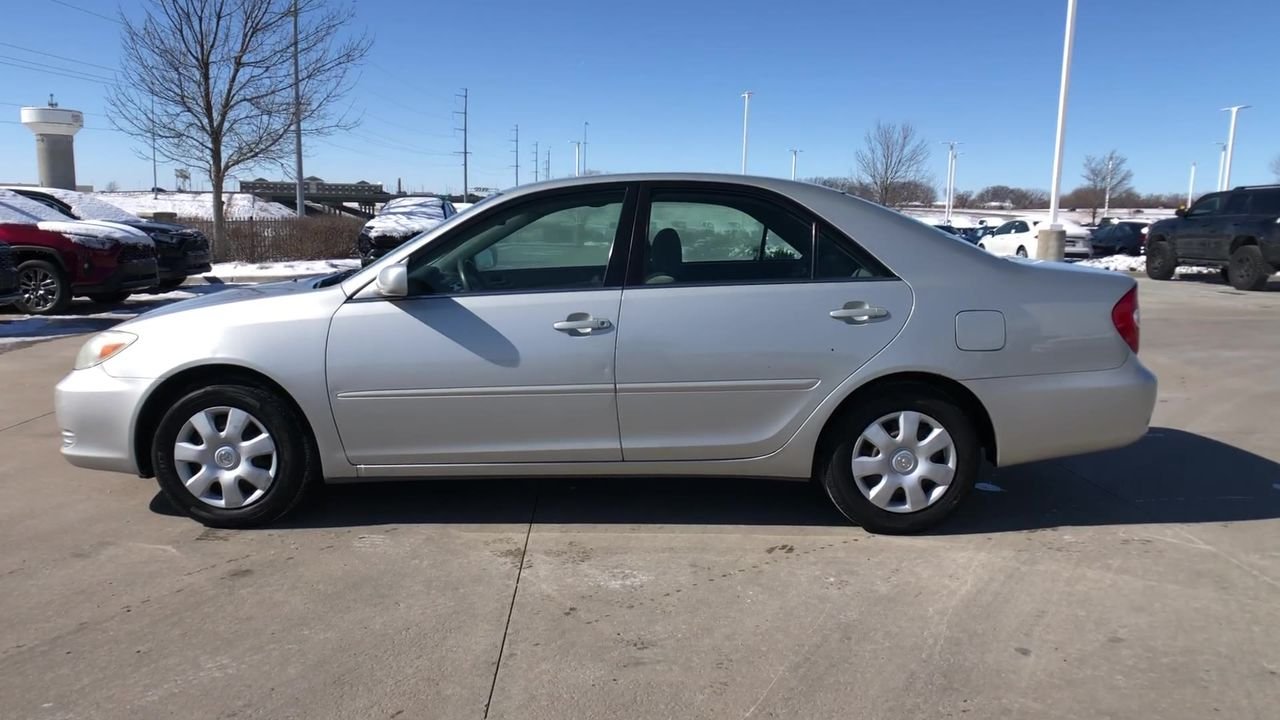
(64, 73)
(59, 57)
(87, 12)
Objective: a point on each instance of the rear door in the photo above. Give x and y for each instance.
(741, 313)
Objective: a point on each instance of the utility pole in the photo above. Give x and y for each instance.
(1222, 159)
(516, 152)
(466, 154)
(1052, 240)
(546, 169)
(1231, 144)
(1191, 185)
(577, 149)
(1106, 191)
(154, 179)
(535, 161)
(746, 112)
(794, 153)
(584, 147)
(297, 121)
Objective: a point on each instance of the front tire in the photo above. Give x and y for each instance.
(1162, 261)
(233, 456)
(900, 461)
(1022, 252)
(43, 288)
(1248, 269)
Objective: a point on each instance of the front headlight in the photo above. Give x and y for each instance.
(102, 347)
(92, 241)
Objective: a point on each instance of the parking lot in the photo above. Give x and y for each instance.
(1139, 582)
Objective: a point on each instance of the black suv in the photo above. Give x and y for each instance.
(1237, 230)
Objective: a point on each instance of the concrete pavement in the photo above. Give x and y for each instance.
(1135, 583)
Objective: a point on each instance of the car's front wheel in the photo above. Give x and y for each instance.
(900, 461)
(233, 456)
(1162, 261)
(1022, 252)
(43, 288)
(1248, 269)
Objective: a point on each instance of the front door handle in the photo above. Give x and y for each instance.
(858, 312)
(582, 322)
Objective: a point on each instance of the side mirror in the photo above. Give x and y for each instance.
(1180, 212)
(393, 281)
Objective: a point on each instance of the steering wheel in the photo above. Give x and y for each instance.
(469, 275)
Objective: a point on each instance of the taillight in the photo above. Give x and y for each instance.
(1126, 318)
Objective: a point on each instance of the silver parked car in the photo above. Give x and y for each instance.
(639, 325)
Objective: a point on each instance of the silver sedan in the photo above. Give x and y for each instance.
(639, 325)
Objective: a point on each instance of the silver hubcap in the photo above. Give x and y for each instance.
(225, 457)
(904, 462)
(39, 288)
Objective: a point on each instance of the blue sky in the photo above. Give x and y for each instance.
(659, 83)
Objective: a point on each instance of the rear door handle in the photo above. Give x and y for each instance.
(858, 312)
(585, 324)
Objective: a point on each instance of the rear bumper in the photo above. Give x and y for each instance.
(96, 414)
(1037, 417)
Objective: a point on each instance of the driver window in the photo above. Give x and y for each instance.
(1004, 229)
(560, 243)
(1207, 205)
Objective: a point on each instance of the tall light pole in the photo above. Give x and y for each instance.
(577, 150)
(1222, 160)
(1106, 191)
(1053, 238)
(951, 176)
(746, 112)
(584, 147)
(1231, 144)
(297, 121)
(794, 153)
(1191, 184)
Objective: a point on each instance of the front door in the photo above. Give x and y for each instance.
(1191, 232)
(503, 350)
(733, 331)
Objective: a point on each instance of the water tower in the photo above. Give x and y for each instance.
(55, 130)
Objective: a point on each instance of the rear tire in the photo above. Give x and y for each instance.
(1022, 252)
(1248, 269)
(171, 284)
(1161, 260)
(255, 484)
(110, 298)
(44, 288)
(892, 513)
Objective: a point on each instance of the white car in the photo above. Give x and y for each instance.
(1020, 237)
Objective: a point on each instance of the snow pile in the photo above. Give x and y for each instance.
(1125, 263)
(87, 206)
(406, 216)
(281, 269)
(196, 205)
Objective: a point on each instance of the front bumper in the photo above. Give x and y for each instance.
(1038, 417)
(96, 413)
(132, 275)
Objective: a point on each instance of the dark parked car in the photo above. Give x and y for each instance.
(1127, 237)
(53, 266)
(1237, 230)
(8, 276)
(180, 251)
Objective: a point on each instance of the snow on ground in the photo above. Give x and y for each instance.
(196, 205)
(281, 269)
(1126, 263)
(85, 316)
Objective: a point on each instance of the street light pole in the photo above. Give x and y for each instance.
(1191, 184)
(794, 153)
(1053, 238)
(951, 177)
(297, 121)
(1222, 159)
(1106, 197)
(584, 147)
(746, 111)
(577, 149)
(1231, 144)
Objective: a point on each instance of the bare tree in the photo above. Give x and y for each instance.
(894, 156)
(1275, 167)
(1105, 175)
(112, 186)
(964, 198)
(212, 81)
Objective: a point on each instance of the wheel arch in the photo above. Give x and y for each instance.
(23, 253)
(1240, 241)
(171, 389)
(962, 396)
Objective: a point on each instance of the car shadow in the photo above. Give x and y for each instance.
(1170, 476)
(1215, 278)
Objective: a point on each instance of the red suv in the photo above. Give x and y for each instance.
(55, 266)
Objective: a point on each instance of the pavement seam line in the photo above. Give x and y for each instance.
(502, 646)
(24, 422)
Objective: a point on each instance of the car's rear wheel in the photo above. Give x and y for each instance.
(1161, 260)
(1022, 252)
(900, 461)
(43, 288)
(109, 298)
(172, 284)
(1248, 269)
(232, 456)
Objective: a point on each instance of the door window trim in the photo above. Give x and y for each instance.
(635, 265)
(615, 267)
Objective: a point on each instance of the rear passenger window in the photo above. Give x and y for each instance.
(840, 260)
(1265, 202)
(1238, 204)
